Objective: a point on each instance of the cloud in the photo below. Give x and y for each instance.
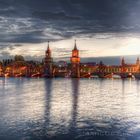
(37, 21)
(31, 18)
(54, 16)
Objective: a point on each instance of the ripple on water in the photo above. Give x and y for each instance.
(69, 108)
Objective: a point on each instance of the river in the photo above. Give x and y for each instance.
(40, 109)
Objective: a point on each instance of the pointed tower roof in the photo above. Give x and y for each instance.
(122, 61)
(48, 48)
(75, 46)
(138, 60)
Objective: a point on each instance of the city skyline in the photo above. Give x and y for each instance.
(47, 68)
(60, 53)
(94, 47)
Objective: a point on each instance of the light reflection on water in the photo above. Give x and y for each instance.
(69, 109)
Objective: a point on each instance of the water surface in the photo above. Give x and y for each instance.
(69, 109)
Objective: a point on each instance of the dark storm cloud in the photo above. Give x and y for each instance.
(29, 21)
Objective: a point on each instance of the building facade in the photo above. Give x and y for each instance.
(48, 63)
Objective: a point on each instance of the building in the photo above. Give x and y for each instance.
(124, 70)
(60, 69)
(75, 62)
(48, 63)
(21, 68)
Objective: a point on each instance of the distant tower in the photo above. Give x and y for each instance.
(48, 62)
(75, 62)
(123, 62)
(138, 61)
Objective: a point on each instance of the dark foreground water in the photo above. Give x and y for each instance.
(67, 109)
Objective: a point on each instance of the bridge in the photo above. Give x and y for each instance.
(123, 71)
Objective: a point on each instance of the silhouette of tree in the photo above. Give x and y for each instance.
(19, 58)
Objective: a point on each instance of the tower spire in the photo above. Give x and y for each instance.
(75, 46)
(48, 45)
(138, 61)
(48, 51)
(123, 61)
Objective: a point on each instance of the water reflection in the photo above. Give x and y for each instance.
(69, 109)
(123, 87)
(47, 102)
(138, 87)
(74, 112)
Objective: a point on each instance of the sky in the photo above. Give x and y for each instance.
(101, 27)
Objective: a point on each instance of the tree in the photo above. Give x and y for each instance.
(19, 58)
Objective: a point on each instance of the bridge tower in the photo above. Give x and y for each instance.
(138, 61)
(75, 62)
(48, 62)
(122, 62)
(123, 66)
